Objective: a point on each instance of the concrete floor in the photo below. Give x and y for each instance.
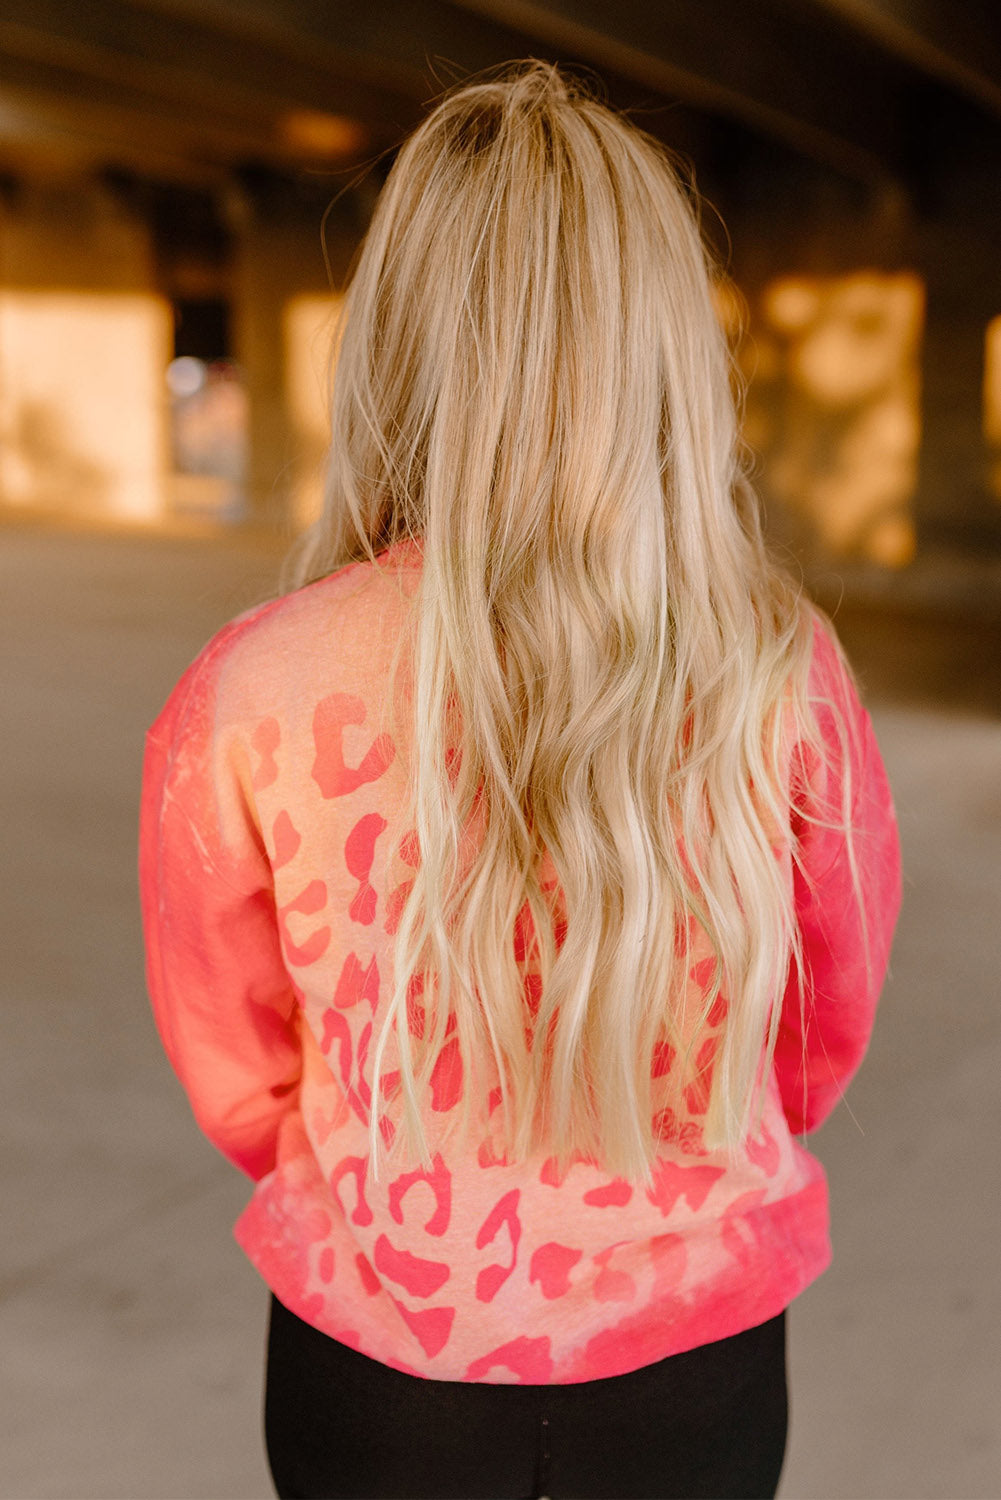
(133, 1329)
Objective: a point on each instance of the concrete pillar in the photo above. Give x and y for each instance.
(282, 302)
(954, 505)
(84, 342)
(834, 305)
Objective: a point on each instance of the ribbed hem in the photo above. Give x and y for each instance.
(787, 1247)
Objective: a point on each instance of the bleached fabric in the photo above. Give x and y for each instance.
(269, 904)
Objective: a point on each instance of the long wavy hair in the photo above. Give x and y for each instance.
(532, 385)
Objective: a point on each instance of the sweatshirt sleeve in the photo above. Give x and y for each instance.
(222, 999)
(847, 894)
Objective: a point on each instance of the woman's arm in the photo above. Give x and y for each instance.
(847, 892)
(222, 999)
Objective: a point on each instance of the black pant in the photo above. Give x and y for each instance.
(710, 1423)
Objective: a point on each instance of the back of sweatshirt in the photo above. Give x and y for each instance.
(270, 900)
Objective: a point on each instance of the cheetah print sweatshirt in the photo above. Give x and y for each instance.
(269, 906)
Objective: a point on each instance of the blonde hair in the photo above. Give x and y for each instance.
(531, 383)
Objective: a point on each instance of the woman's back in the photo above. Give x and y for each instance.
(269, 769)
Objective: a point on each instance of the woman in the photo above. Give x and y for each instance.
(518, 889)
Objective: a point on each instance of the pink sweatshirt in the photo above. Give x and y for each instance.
(269, 904)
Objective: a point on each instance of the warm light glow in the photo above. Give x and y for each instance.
(83, 408)
(790, 305)
(308, 330)
(992, 400)
(833, 407)
(312, 132)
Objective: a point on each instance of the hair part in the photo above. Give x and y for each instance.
(532, 384)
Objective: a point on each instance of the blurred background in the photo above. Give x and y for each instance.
(182, 188)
